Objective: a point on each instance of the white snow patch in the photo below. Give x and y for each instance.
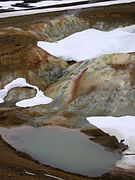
(8, 5)
(92, 43)
(29, 173)
(54, 177)
(50, 3)
(40, 98)
(123, 128)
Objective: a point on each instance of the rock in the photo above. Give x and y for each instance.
(56, 29)
(18, 94)
(11, 119)
(20, 57)
(104, 86)
(100, 17)
(50, 115)
(109, 17)
(109, 142)
(108, 81)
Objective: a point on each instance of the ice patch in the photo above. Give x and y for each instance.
(40, 98)
(92, 43)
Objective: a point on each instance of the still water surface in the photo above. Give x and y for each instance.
(64, 148)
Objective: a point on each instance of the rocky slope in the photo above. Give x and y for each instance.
(108, 81)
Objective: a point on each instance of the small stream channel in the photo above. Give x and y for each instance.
(63, 148)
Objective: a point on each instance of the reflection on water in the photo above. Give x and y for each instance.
(63, 148)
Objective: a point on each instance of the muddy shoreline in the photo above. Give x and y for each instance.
(17, 165)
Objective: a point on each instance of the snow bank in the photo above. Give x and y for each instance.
(92, 43)
(50, 3)
(8, 5)
(123, 128)
(21, 82)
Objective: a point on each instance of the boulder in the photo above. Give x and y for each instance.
(18, 94)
